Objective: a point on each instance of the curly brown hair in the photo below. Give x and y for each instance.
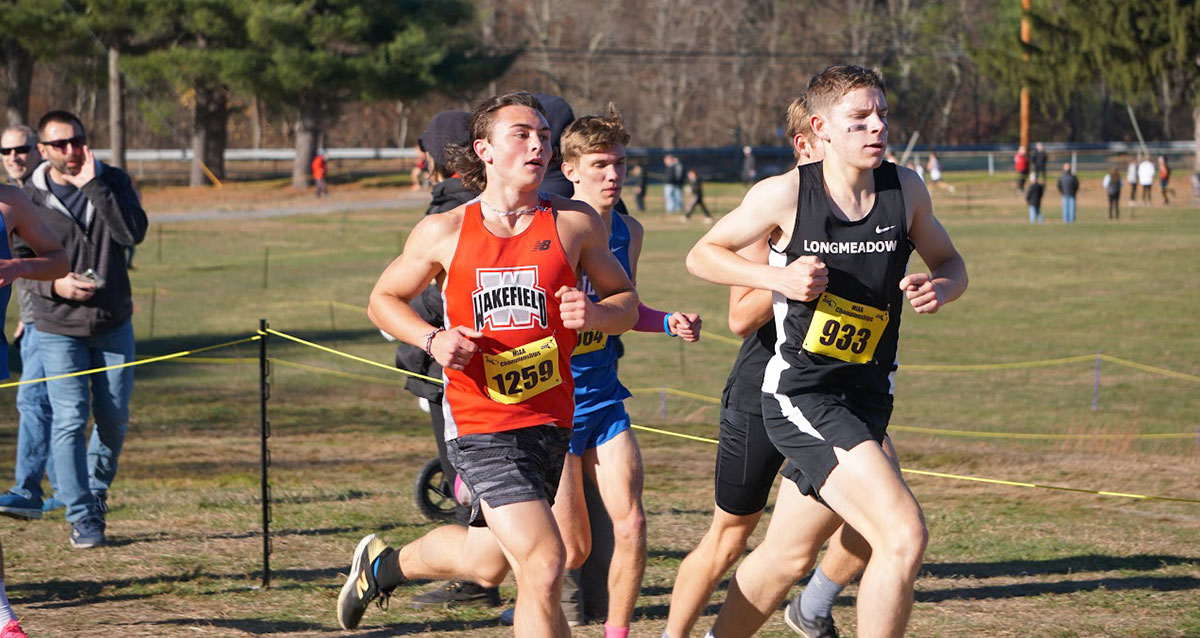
(463, 159)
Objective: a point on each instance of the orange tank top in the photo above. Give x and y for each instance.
(504, 287)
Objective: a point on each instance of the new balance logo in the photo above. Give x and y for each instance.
(541, 245)
(879, 230)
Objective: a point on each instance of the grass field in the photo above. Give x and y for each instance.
(184, 552)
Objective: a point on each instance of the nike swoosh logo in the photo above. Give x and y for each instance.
(880, 231)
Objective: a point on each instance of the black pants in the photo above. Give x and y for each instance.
(699, 201)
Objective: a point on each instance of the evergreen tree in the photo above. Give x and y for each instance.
(312, 56)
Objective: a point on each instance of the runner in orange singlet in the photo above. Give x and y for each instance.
(507, 264)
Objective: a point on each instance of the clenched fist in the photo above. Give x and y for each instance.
(453, 348)
(577, 311)
(804, 279)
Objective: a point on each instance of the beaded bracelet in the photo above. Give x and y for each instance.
(429, 340)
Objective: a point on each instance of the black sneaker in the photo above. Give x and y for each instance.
(816, 628)
(458, 593)
(360, 588)
(87, 532)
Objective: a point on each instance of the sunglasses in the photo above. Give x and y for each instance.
(77, 142)
(20, 150)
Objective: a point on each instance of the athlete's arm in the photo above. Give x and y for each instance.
(428, 248)
(50, 262)
(616, 312)
(681, 324)
(750, 308)
(947, 276)
(769, 205)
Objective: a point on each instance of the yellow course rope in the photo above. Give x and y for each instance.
(165, 357)
(714, 441)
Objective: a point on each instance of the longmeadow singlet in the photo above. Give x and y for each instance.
(594, 364)
(504, 287)
(5, 293)
(847, 337)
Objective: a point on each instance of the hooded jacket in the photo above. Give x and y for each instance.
(114, 221)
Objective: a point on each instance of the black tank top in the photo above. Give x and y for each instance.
(847, 337)
(743, 388)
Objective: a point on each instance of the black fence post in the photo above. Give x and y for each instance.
(264, 393)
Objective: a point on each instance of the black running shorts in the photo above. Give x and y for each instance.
(509, 467)
(806, 427)
(747, 462)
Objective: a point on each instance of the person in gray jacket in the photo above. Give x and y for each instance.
(84, 318)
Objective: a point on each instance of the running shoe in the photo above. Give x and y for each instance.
(360, 588)
(17, 506)
(13, 630)
(52, 503)
(816, 628)
(87, 532)
(457, 593)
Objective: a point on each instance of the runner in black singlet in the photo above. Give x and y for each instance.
(844, 237)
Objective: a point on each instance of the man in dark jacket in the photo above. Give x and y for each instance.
(84, 319)
(1068, 187)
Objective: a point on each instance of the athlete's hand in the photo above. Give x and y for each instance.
(453, 348)
(922, 293)
(74, 287)
(685, 325)
(804, 279)
(577, 311)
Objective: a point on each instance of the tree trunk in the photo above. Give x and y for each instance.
(256, 123)
(1196, 135)
(18, 75)
(308, 133)
(209, 134)
(116, 110)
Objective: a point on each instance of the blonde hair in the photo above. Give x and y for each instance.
(799, 123)
(594, 133)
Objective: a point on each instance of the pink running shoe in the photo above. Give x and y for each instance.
(13, 630)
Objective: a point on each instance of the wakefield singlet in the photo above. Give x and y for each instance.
(504, 287)
(594, 364)
(847, 337)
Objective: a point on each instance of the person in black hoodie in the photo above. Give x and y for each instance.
(84, 319)
(449, 192)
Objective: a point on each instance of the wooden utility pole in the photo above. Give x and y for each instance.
(116, 109)
(1026, 6)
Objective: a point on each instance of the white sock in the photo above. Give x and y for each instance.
(6, 612)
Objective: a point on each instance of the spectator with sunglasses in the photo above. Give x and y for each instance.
(18, 146)
(83, 319)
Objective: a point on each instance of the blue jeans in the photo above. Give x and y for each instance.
(81, 474)
(1035, 215)
(1068, 209)
(33, 429)
(673, 195)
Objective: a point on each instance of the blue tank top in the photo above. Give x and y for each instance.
(594, 363)
(5, 293)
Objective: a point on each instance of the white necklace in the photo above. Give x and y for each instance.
(528, 210)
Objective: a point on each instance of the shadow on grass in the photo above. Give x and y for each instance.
(1065, 565)
(257, 533)
(1023, 590)
(255, 626)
